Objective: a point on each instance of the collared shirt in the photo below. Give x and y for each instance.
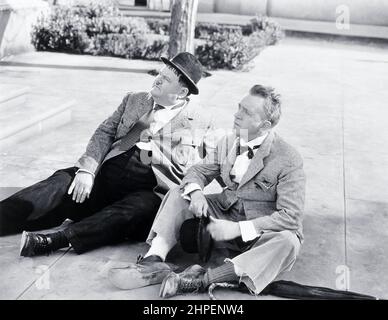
(160, 119)
(240, 167)
(242, 161)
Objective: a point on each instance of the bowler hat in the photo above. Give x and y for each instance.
(195, 238)
(189, 67)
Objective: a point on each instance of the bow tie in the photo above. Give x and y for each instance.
(242, 149)
(158, 107)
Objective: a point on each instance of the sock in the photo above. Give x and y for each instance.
(58, 240)
(159, 247)
(223, 273)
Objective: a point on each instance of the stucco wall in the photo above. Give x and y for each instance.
(367, 12)
(16, 32)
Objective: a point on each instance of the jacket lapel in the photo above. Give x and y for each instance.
(145, 105)
(257, 164)
(229, 162)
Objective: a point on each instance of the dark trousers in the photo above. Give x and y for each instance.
(121, 205)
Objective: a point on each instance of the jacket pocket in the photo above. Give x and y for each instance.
(265, 184)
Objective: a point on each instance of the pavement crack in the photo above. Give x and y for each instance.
(49, 267)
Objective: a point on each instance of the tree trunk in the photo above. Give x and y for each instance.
(182, 26)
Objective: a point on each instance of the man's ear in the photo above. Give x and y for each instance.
(267, 125)
(183, 92)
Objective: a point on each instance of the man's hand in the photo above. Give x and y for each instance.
(198, 204)
(223, 230)
(81, 186)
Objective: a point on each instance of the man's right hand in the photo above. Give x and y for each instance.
(81, 186)
(198, 204)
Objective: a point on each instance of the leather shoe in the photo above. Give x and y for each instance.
(32, 244)
(145, 272)
(189, 281)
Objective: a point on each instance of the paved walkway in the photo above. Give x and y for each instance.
(334, 113)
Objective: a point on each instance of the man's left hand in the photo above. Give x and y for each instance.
(223, 230)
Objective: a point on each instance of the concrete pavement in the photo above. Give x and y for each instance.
(334, 108)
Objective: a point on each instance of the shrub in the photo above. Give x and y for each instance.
(97, 10)
(205, 30)
(93, 29)
(269, 29)
(62, 31)
(159, 26)
(118, 45)
(105, 25)
(156, 49)
(225, 50)
(101, 30)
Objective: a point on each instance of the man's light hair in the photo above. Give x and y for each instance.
(272, 103)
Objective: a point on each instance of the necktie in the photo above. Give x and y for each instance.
(138, 130)
(240, 150)
(250, 154)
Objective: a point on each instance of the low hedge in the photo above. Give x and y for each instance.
(271, 29)
(101, 30)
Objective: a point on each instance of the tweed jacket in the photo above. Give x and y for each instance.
(272, 191)
(174, 147)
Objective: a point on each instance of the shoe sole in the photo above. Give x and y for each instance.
(148, 280)
(166, 286)
(23, 244)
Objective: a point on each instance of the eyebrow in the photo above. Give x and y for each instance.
(165, 76)
(246, 110)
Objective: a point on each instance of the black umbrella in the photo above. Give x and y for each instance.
(293, 290)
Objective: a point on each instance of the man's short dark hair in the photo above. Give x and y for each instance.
(272, 104)
(181, 78)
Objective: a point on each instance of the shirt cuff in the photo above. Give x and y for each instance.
(248, 231)
(87, 171)
(189, 188)
(144, 146)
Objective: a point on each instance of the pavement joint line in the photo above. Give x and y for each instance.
(32, 158)
(366, 200)
(50, 266)
(71, 67)
(344, 174)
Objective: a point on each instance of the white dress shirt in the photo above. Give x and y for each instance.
(240, 167)
(161, 118)
(242, 161)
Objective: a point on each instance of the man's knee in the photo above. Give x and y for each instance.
(289, 240)
(175, 192)
(66, 174)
